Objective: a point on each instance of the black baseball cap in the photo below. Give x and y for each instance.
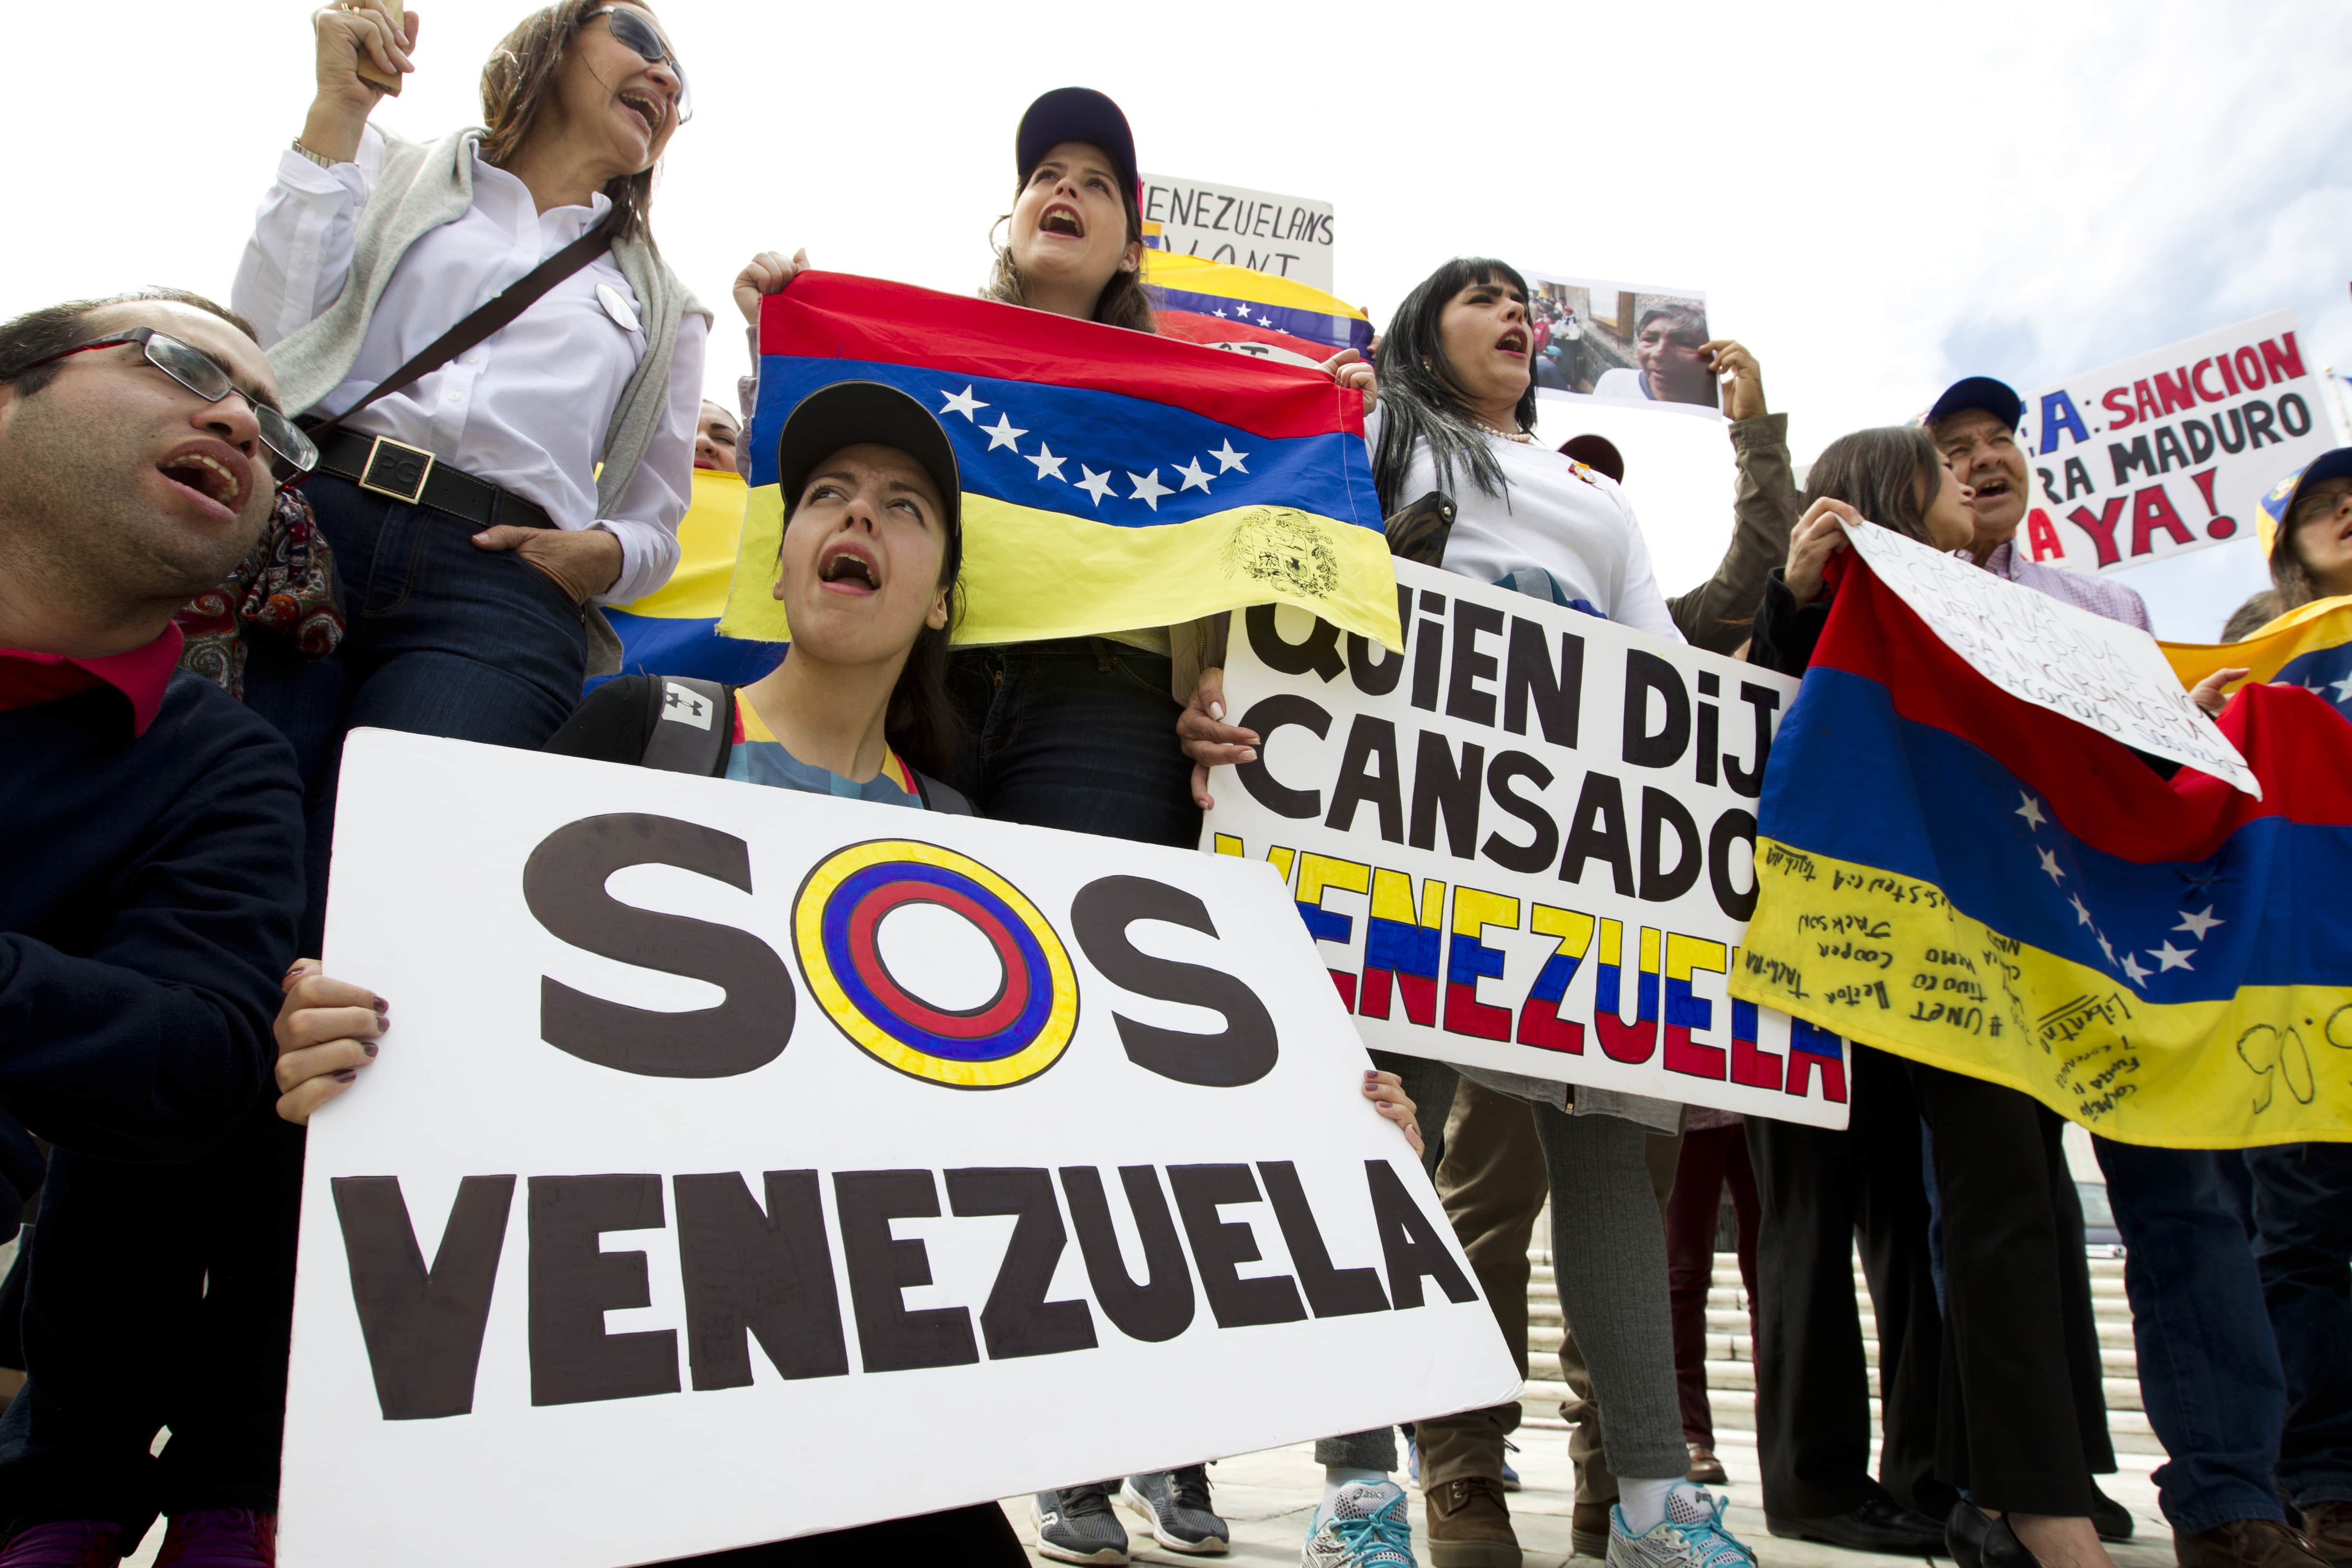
(1980, 393)
(1076, 114)
(853, 414)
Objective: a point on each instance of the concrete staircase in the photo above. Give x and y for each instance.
(1731, 1373)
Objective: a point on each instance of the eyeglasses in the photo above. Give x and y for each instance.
(630, 27)
(292, 452)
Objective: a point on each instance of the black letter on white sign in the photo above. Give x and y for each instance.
(563, 883)
(424, 1330)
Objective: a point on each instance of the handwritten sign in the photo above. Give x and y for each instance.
(2169, 451)
(2100, 673)
(1525, 843)
(1288, 237)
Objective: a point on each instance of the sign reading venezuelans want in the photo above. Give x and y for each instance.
(1526, 843)
(744, 1164)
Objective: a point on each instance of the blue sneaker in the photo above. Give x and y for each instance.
(1690, 1536)
(1366, 1528)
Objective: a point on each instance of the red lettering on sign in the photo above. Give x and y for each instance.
(2152, 510)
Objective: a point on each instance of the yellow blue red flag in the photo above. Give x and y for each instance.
(1113, 480)
(1954, 875)
(1206, 301)
(674, 630)
(2310, 647)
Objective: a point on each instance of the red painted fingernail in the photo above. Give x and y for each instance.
(347, 1075)
(370, 1047)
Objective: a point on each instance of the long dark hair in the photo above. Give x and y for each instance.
(2290, 578)
(1889, 474)
(1419, 398)
(1121, 303)
(920, 723)
(517, 81)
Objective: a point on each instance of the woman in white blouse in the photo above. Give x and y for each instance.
(471, 523)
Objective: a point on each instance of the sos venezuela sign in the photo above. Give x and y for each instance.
(729, 1138)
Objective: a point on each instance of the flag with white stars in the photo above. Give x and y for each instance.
(2310, 647)
(2164, 960)
(1232, 307)
(1112, 479)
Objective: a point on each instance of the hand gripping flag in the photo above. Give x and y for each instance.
(2310, 647)
(1954, 875)
(1113, 480)
(674, 630)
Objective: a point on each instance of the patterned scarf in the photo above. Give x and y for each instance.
(285, 586)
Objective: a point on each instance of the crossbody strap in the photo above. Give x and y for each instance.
(493, 315)
(693, 727)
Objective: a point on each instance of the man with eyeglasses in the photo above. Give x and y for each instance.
(151, 832)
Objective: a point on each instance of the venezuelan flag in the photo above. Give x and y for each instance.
(1213, 301)
(1952, 874)
(2310, 647)
(674, 630)
(1112, 479)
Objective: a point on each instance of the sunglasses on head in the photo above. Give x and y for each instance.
(630, 27)
(292, 455)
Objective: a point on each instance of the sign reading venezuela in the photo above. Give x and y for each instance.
(1951, 873)
(1113, 480)
(1525, 843)
(724, 1129)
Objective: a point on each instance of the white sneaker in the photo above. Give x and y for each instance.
(1366, 1528)
(1690, 1536)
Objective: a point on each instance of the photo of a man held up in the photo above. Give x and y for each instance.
(1622, 343)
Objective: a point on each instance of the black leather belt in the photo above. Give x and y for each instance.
(381, 465)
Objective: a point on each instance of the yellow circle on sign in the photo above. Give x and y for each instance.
(1012, 1036)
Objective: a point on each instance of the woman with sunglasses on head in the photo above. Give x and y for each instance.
(459, 482)
(461, 494)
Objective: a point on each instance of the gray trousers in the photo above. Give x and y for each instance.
(1609, 1253)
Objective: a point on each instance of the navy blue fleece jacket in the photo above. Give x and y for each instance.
(149, 891)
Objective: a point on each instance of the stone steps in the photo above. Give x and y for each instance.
(1731, 1373)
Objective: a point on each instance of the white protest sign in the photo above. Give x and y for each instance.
(1526, 843)
(2171, 451)
(669, 1220)
(1288, 237)
(2100, 673)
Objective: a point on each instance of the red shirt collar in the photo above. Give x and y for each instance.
(140, 675)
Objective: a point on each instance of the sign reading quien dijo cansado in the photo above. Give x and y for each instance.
(1525, 843)
(728, 1140)
(2170, 450)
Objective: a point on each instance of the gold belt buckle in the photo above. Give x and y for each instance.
(397, 470)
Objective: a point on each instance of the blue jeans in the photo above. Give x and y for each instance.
(443, 638)
(1078, 733)
(2303, 1245)
(2207, 1367)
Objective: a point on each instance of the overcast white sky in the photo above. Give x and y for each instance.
(1876, 198)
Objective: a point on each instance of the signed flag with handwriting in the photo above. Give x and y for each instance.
(1959, 877)
(2310, 647)
(1114, 481)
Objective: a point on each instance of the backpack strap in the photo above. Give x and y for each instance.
(693, 725)
(938, 796)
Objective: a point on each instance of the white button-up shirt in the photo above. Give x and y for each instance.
(527, 409)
